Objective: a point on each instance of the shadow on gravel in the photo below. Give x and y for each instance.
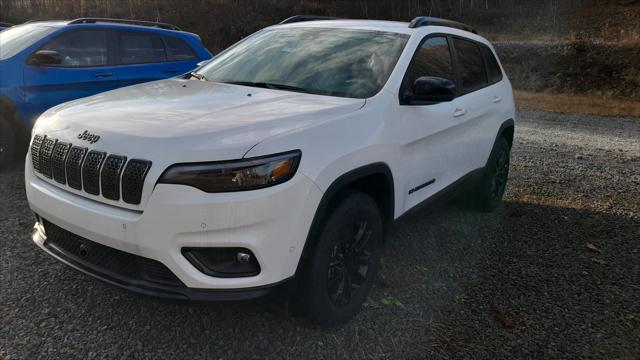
(527, 280)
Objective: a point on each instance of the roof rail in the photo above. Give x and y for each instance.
(301, 18)
(123, 21)
(40, 20)
(434, 21)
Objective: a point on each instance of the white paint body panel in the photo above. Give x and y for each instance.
(177, 121)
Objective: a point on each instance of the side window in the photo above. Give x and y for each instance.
(81, 48)
(433, 58)
(178, 50)
(137, 47)
(471, 65)
(493, 69)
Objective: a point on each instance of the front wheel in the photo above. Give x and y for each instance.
(7, 144)
(341, 271)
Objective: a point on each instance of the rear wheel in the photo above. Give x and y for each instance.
(488, 194)
(7, 144)
(340, 272)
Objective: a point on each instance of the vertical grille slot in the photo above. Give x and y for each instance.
(110, 176)
(91, 172)
(58, 160)
(74, 166)
(46, 150)
(35, 151)
(133, 180)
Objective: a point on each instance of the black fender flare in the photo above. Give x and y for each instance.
(336, 186)
(505, 126)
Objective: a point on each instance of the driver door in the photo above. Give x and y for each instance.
(85, 70)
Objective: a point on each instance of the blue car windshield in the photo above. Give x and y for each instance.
(334, 62)
(18, 38)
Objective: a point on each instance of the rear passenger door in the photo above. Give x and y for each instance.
(142, 56)
(481, 98)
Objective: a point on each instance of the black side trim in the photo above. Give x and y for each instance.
(421, 186)
(334, 188)
(454, 189)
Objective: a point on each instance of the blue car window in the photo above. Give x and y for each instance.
(138, 47)
(178, 50)
(81, 48)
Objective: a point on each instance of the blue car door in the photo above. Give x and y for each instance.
(86, 69)
(142, 56)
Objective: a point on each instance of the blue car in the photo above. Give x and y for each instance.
(46, 63)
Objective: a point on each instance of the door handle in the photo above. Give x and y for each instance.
(459, 112)
(497, 99)
(103, 75)
(170, 71)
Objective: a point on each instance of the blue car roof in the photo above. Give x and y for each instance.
(106, 24)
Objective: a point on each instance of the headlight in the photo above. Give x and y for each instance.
(226, 176)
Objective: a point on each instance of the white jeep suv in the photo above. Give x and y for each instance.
(281, 163)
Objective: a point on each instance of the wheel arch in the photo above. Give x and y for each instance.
(374, 179)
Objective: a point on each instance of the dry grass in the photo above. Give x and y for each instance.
(578, 104)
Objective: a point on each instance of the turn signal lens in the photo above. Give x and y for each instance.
(238, 175)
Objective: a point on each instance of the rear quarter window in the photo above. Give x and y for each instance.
(178, 49)
(493, 69)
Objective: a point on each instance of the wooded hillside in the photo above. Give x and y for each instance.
(582, 46)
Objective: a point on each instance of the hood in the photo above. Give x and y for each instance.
(180, 120)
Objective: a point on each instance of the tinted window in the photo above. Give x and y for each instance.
(178, 49)
(493, 69)
(471, 64)
(140, 47)
(81, 48)
(432, 59)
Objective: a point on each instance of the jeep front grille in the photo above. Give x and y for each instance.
(35, 151)
(110, 176)
(73, 166)
(58, 159)
(133, 180)
(91, 172)
(95, 172)
(46, 149)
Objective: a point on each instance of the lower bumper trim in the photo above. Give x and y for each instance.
(149, 288)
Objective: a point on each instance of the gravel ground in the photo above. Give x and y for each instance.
(554, 273)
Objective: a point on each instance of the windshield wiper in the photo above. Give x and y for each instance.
(193, 74)
(266, 85)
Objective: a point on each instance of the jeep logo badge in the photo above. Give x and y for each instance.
(91, 138)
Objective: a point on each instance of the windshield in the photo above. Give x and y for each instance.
(18, 38)
(335, 62)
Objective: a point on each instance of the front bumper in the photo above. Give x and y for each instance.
(273, 223)
(153, 281)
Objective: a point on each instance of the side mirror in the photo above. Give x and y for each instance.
(431, 90)
(45, 57)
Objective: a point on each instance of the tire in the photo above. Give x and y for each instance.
(7, 144)
(347, 252)
(489, 192)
